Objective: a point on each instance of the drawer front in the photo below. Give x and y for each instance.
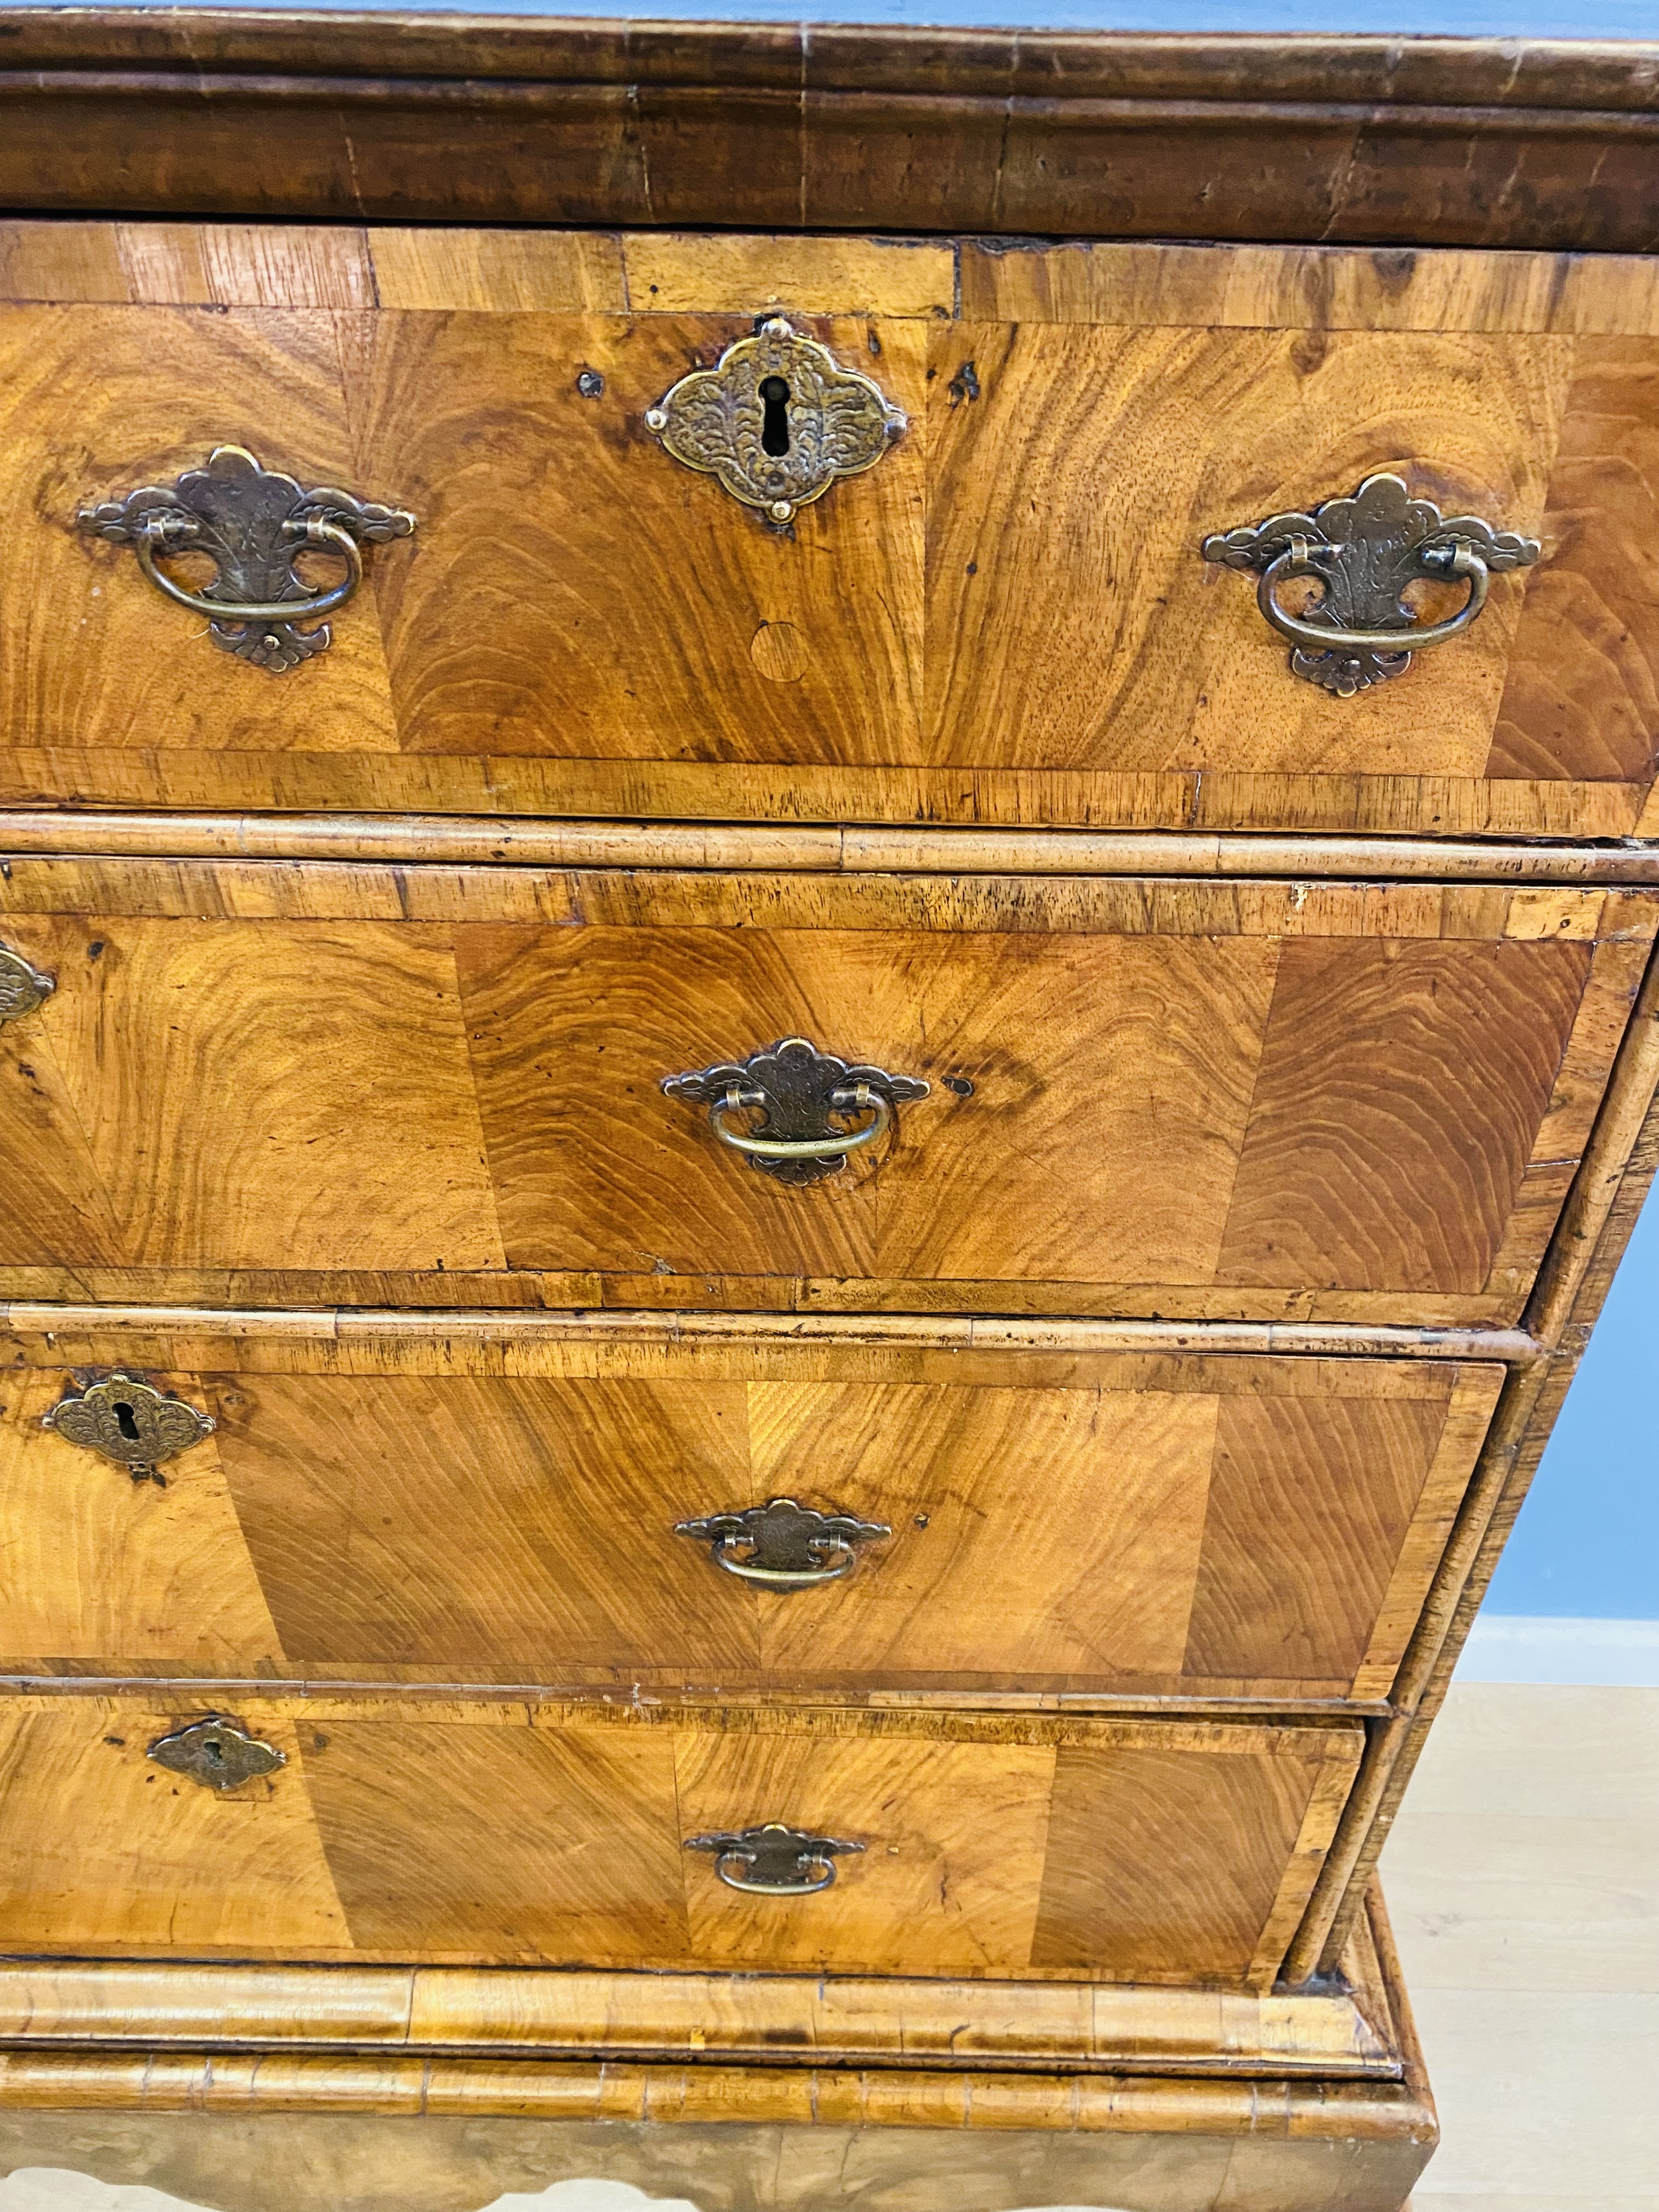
(1147, 1851)
(762, 1517)
(1004, 612)
(1198, 1100)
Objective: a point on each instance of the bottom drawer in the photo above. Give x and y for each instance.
(542, 1832)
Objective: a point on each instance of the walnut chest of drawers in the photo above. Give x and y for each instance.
(818, 1053)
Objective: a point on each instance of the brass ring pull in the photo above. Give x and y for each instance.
(782, 1545)
(1458, 559)
(253, 522)
(732, 1563)
(162, 534)
(1365, 551)
(859, 1099)
(727, 1860)
(773, 1860)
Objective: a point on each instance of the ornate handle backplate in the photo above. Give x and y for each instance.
(782, 1545)
(1365, 550)
(22, 987)
(773, 1860)
(776, 421)
(797, 1091)
(130, 1422)
(220, 1754)
(254, 524)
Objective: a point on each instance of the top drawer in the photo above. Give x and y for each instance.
(1004, 611)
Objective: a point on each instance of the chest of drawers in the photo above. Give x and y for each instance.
(816, 1055)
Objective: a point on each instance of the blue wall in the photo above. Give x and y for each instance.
(1587, 1543)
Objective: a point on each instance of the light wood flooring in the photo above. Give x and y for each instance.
(1522, 1878)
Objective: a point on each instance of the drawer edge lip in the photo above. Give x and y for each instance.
(311, 1692)
(479, 1325)
(351, 837)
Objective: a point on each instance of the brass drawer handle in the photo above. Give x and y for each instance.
(254, 523)
(776, 421)
(776, 1861)
(796, 1089)
(1365, 550)
(166, 534)
(782, 1545)
(219, 1754)
(130, 1422)
(22, 987)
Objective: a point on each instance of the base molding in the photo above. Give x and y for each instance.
(267, 2088)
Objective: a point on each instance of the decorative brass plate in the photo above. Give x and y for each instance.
(775, 1861)
(254, 523)
(22, 987)
(219, 1754)
(776, 421)
(1365, 550)
(797, 1089)
(130, 1422)
(783, 1545)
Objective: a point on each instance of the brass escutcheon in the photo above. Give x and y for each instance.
(22, 987)
(130, 1421)
(1364, 551)
(219, 1754)
(776, 421)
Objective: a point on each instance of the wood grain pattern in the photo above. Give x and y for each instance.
(1342, 2033)
(1245, 1098)
(1285, 1467)
(845, 848)
(1155, 1807)
(1223, 1529)
(906, 129)
(570, 588)
(342, 1056)
(607, 588)
(1355, 1090)
(1140, 1042)
(95, 1563)
(101, 401)
(1614, 1179)
(552, 1833)
(104, 1849)
(1326, 288)
(66, 262)
(1582, 688)
(1069, 624)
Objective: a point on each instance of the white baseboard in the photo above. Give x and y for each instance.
(1509, 1647)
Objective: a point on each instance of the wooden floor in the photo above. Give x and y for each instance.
(1524, 1879)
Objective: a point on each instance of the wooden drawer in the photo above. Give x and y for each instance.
(1197, 1099)
(1023, 1523)
(1008, 617)
(1135, 1851)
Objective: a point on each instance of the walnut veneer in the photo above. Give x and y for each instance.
(1177, 1356)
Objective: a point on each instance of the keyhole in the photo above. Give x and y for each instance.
(774, 428)
(124, 1421)
(215, 1752)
